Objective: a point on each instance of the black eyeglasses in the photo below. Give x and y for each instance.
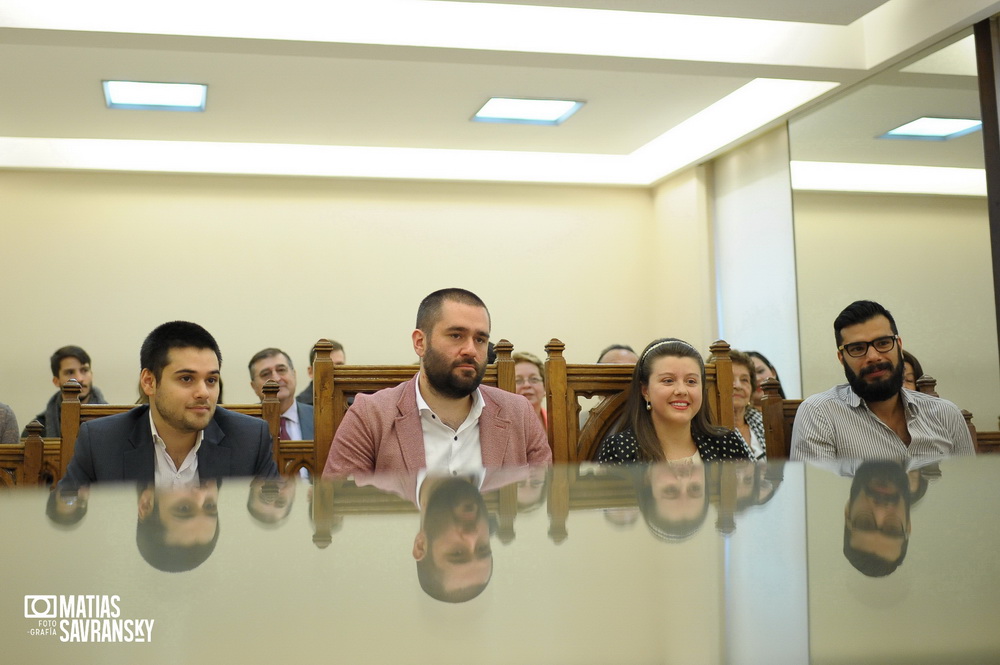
(858, 349)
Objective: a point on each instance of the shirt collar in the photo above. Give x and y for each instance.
(853, 399)
(292, 413)
(477, 403)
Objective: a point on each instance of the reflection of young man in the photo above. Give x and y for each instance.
(877, 518)
(452, 549)
(178, 528)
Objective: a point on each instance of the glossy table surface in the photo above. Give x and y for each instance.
(730, 563)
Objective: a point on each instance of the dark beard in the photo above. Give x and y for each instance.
(891, 472)
(879, 391)
(445, 382)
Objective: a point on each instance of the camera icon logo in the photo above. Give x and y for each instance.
(40, 607)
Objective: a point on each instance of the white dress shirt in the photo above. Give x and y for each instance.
(446, 449)
(166, 473)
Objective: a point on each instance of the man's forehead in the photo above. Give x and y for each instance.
(276, 360)
(877, 325)
(456, 314)
(183, 355)
(67, 364)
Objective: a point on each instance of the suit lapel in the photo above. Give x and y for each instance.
(408, 431)
(214, 455)
(138, 461)
(494, 433)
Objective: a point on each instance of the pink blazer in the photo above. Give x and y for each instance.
(382, 432)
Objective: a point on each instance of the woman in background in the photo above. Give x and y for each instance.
(529, 378)
(911, 370)
(764, 370)
(749, 421)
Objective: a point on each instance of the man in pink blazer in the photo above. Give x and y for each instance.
(442, 419)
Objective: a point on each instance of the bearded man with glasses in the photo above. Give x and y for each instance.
(872, 417)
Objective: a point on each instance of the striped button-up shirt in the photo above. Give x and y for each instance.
(837, 424)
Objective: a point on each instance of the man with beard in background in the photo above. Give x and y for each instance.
(442, 419)
(872, 417)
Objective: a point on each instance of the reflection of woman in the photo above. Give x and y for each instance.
(764, 370)
(673, 499)
(529, 377)
(666, 416)
(748, 420)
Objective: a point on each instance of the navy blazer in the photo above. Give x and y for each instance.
(120, 447)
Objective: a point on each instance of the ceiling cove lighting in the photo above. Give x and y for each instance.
(527, 111)
(145, 96)
(934, 129)
(887, 178)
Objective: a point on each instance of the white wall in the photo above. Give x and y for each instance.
(99, 260)
(755, 253)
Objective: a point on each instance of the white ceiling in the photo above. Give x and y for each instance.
(388, 86)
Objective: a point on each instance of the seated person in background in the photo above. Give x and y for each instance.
(8, 425)
(68, 362)
(749, 421)
(529, 377)
(296, 417)
(441, 419)
(617, 353)
(181, 437)
(871, 417)
(911, 370)
(764, 370)
(336, 355)
(667, 412)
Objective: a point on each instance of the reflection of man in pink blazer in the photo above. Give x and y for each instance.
(385, 431)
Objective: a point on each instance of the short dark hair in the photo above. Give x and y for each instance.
(870, 564)
(269, 352)
(67, 352)
(615, 347)
(429, 312)
(155, 350)
(334, 346)
(857, 312)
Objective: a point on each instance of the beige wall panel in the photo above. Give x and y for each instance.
(100, 259)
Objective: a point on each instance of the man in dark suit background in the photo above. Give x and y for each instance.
(296, 417)
(181, 437)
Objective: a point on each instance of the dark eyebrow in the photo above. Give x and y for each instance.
(192, 371)
(480, 333)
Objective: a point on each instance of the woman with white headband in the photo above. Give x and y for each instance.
(666, 415)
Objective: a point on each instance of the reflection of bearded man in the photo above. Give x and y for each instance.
(877, 518)
(883, 389)
(452, 549)
(446, 379)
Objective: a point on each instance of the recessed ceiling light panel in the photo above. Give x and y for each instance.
(527, 111)
(934, 129)
(142, 95)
